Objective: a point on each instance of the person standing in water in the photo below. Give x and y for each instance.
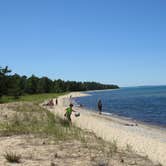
(99, 104)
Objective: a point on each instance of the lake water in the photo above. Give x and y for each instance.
(146, 104)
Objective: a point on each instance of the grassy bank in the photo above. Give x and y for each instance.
(29, 118)
(38, 98)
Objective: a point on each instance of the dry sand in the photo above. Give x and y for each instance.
(144, 140)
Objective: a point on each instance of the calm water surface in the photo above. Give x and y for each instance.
(146, 104)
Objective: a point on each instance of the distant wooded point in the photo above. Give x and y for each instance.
(16, 85)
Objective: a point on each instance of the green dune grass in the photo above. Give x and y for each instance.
(31, 98)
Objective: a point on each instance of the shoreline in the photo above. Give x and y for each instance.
(113, 116)
(145, 140)
(107, 114)
(133, 122)
(99, 90)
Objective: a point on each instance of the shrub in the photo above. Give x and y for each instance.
(12, 157)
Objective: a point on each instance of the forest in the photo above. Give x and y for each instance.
(16, 85)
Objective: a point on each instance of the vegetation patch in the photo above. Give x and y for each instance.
(14, 87)
(12, 157)
(31, 118)
(37, 98)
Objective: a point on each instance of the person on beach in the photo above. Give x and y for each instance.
(99, 104)
(70, 98)
(68, 113)
(56, 101)
(50, 103)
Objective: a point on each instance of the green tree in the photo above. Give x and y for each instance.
(16, 85)
(45, 85)
(15, 88)
(32, 85)
(4, 84)
(59, 86)
(23, 83)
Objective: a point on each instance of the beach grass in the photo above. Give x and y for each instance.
(31, 98)
(30, 118)
(12, 157)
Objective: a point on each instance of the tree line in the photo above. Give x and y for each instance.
(16, 85)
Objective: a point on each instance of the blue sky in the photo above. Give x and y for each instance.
(109, 41)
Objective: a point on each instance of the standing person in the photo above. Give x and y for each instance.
(56, 101)
(68, 113)
(70, 99)
(99, 104)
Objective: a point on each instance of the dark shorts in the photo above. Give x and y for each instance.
(68, 117)
(100, 108)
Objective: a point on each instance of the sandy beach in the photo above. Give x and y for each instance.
(143, 139)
